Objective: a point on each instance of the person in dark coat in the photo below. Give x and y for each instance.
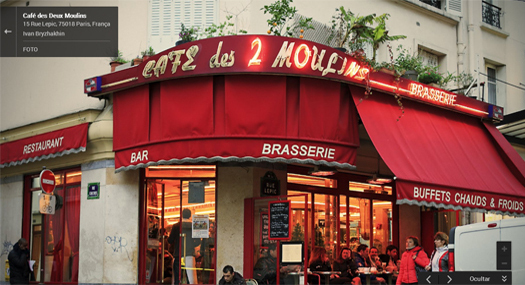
(265, 270)
(174, 240)
(347, 266)
(19, 263)
(229, 276)
(362, 260)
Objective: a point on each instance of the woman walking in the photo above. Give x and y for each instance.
(414, 259)
(439, 257)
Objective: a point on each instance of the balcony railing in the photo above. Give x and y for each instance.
(434, 3)
(491, 14)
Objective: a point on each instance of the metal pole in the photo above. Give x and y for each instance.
(479, 89)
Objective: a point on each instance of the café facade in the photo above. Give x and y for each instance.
(230, 127)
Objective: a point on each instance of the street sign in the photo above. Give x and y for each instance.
(47, 204)
(47, 181)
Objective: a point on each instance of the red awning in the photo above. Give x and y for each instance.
(235, 118)
(442, 158)
(53, 144)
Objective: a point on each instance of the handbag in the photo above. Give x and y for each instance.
(419, 268)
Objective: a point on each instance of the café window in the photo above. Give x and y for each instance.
(362, 214)
(54, 239)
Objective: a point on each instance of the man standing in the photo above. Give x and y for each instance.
(189, 246)
(19, 263)
(231, 277)
(174, 240)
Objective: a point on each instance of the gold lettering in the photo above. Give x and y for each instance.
(284, 55)
(190, 54)
(160, 68)
(317, 59)
(352, 69)
(148, 68)
(255, 59)
(332, 60)
(214, 60)
(175, 61)
(340, 71)
(221, 61)
(307, 55)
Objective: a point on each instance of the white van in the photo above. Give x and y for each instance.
(475, 247)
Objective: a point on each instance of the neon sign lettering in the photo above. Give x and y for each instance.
(307, 54)
(433, 95)
(255, 59)
(286, 51)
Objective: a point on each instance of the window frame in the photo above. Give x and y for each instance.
(27, 215)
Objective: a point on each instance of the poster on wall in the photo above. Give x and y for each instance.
(200, 225)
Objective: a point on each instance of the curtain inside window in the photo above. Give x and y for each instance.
(56, 233)
(72, 207)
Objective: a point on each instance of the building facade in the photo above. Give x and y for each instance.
(221, 144)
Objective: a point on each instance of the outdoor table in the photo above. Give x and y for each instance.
(383, 274)
(327, 274)
(296, 276)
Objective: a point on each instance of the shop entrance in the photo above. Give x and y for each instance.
(260, 237)
(180, 225)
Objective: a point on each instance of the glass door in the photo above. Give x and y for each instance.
(159, 258)
(180, 222)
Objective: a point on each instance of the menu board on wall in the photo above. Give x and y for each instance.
(279, 220)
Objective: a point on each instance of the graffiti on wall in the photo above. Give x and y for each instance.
(7, 246)
(119, 245)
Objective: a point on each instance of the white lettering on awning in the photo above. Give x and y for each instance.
(43, 145)
(298, 150)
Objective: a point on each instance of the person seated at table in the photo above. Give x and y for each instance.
(320, 263)
(361, 259)
(347, 266)
(375, 261)
(391, 258)
(265, 270)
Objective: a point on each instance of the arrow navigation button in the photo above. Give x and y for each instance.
(449, 279)
(429, 282)
(7, 31)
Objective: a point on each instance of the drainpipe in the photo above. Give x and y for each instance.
(472, 56)
(460, 46)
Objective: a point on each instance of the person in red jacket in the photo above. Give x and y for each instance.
(412, 257)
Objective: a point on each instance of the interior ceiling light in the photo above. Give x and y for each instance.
(321, 170)
(378, 180)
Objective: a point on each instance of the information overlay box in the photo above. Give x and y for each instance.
(59, 31)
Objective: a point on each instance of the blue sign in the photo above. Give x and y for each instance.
(93, 190)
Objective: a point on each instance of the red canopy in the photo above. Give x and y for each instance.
(442, 158)
(44, 146)
(235, 118)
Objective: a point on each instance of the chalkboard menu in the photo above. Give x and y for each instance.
(265, 241)
(279, 220)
